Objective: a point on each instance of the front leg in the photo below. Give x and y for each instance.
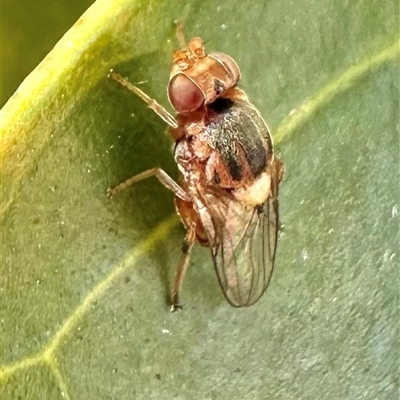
(157, 108)
(160, 174)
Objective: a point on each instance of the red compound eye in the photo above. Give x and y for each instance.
(229, 63)
(184, 94)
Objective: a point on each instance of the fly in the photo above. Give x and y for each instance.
(227, 194)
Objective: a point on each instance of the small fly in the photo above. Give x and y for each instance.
(227, 194)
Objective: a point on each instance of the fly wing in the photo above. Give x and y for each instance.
(244, 252)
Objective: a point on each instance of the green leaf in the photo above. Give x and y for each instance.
(84, 280)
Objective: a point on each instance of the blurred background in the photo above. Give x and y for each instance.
(28, 33)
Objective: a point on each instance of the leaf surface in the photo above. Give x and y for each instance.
(84, 280)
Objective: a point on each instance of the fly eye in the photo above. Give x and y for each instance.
(229, 64)
(184, 94)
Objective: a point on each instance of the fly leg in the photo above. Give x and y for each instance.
(160, 174)
(156, 107)
(183, 265)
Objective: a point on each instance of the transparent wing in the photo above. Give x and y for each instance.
(244, 252)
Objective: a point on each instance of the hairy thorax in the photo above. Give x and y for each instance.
(229, 152)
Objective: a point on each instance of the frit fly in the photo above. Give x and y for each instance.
(227, 194)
